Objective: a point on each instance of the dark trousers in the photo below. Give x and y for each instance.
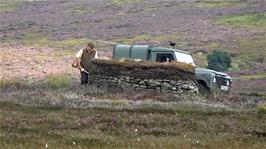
(84, 78)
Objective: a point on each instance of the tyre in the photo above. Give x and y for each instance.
(204, 90)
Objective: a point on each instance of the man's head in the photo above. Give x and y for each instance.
(90, 47)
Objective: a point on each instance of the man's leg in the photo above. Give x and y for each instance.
(84, 78)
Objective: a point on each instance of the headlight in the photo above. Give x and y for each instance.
(214, 79)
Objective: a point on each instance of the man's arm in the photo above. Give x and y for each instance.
(96, 54)
(78, 58)
(78, 63)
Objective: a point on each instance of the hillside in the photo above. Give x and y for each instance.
(236, 26)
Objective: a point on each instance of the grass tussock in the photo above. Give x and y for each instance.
(57, 81)
(11, 83)
(50, 81)
(261, 109)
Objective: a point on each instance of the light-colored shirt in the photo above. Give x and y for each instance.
(80, 52)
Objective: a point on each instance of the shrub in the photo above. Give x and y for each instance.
(261, 109)
(219, 60)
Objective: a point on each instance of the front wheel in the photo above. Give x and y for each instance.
(204, 90)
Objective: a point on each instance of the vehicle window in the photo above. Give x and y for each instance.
(164, 57)
(185, 58)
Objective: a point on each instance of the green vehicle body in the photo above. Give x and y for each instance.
(208, 80)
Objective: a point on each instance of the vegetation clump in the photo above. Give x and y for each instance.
(219, 60)
(261, 109)
(57, 81)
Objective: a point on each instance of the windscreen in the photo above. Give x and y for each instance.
(185, 58)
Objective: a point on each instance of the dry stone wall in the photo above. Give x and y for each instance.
(143, 76)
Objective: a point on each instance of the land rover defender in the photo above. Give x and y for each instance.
(208, 80)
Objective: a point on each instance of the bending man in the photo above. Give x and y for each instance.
(83, 57)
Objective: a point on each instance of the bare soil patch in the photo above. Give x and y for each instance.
(20, 62)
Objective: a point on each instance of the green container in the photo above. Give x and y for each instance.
(140, 52)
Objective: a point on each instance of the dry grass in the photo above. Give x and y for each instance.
(145, 64)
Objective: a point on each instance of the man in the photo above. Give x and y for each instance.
(82, 59)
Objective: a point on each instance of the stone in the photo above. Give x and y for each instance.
(139, 89)
(158, 89)
(149, 89)
(138, 79)
(104, 80)
(173, 82)
(142, 86)
(165, 80)
(158, 80)
(179, 91)
(127, 78)
(125, 85)
(119, 81)
(190, 86)
(135, 86)
(167, 85)
(142, 82)
(179, 82)
(112, 84)
(134, 81)
(174, 89)
(145, 80)
(185, 86)
(121, 78)
(153, 83)
(113, 81)
(165, 90)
